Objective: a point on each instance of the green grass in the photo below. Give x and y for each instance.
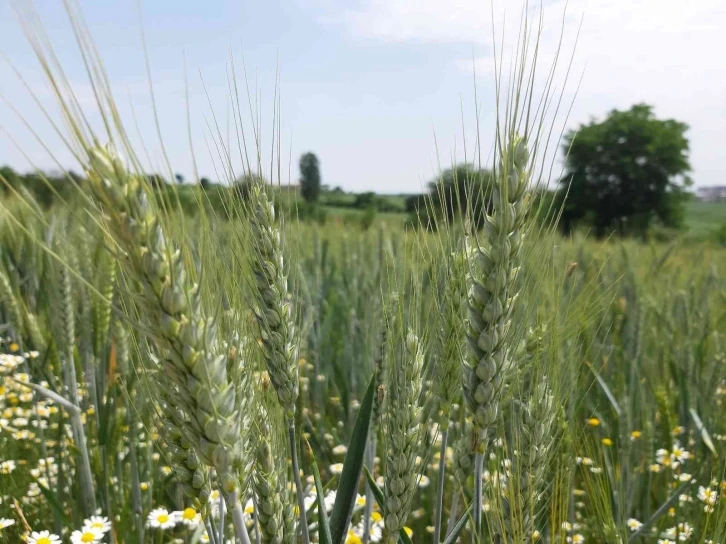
(705, 217)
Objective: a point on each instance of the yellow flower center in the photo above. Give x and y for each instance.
(352, 538)
(97, 525)
(189, 513)
(88, 537)
(43, 540)
(163, 518)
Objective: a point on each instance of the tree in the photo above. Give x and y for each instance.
(179, 178)
(365, 200)
(309, 177)
(10, 177)
(205, 183)
(242, 187)
(625, 172)
(156, 181)
(462, 190)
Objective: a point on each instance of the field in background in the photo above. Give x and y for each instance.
(637, 332)
(704, 217)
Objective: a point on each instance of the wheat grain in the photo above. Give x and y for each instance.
(403, 434)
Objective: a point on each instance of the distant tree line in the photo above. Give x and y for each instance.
(624, 174)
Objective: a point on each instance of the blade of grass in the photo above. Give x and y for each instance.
(705, 436)
(658, 513)
(324, 532)
(349, 478)
(456, 530)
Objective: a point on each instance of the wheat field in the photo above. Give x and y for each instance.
(253, 377)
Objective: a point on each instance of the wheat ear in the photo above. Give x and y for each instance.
(492, 294)
(403, 432)
(276, 323)
(192, 374)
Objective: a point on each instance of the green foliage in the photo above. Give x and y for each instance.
(626, 172)
(352, 468)
(368, 217)
(613, 310)
(9, 179)
(462, 191)
(46, 188)
(719, 234)
(704, 217)
(587, 364)
(365, 200)
(309, 177)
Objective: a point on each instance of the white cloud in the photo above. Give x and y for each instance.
(668, 53)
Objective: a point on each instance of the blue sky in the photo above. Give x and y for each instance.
(367, 84)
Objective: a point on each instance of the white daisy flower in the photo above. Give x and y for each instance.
(309, 500)
(633, 524)
(707, 495)
(341, 449)
(98, 522)
(679, 453)
(329, 500)
(189, 517)
(160, 518)
(43, 537)
(86, 535)
(375, 531)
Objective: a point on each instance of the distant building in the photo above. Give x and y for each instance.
(711, 194)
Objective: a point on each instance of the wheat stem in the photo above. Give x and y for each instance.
(478, 495)
(88, 495)
(222, 517)
(238, 521)
(210, 531)
(440, 487)
(135, 484)
(453, 511)
(298, 483)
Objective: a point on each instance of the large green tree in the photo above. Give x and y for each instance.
(309, 177)
(625, 172)
(462, 190)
